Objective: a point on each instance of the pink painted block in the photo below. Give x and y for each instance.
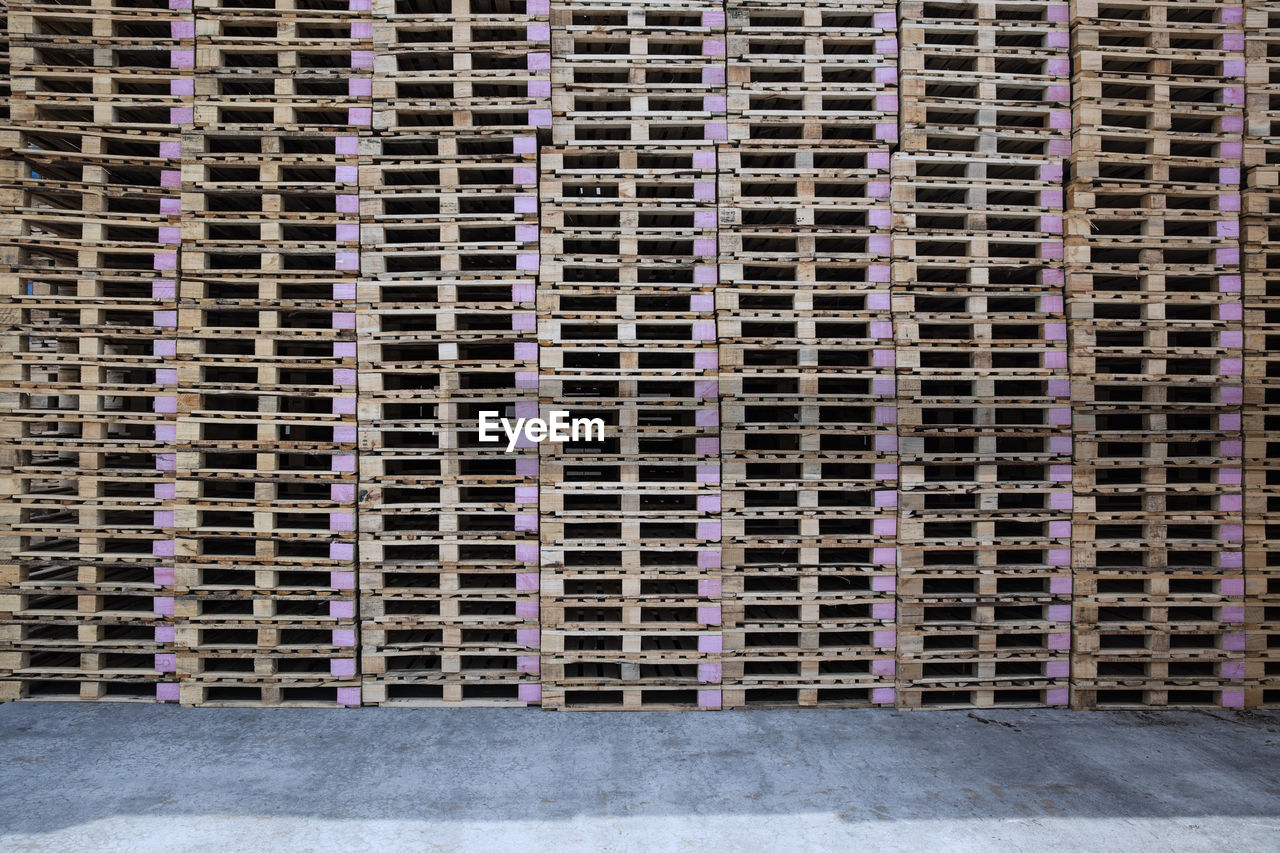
(1050, 172)
(705, 275)
(1060, 148)
(714, 103)
(884, 526)
(708, 531)
(1233, 698)
(709, 615)
(359, 87)
(537, 32)
(531, 637)
(704, 190)
(167, 433)
(1233, 124)
(1057, 38)
(1059, 642)
(164, 491)
(886, 103)
(887, 46)
(179, 5)
(529, 692)
(1058, 67)
(1233, 642)
(527, 553)
(1059, 612)
(347, 175)
(1231, 586)
(701, 303)
(884, 358)
(361, 59)
(526, 233)
(704, 331)
(1060, 444)
(524, 176)
(882, 385)
(343, 349)
(344, 376)
(164, 405)
(346, 145)
(162, 606)
(1230, 533)
(880, 244)
(342, 463)
(342, 580)
(1059, 387)
(527, 609)
(1231, 449)
(1228, 476)
(879, 218)
(163, 576)
(713, 47)
(527, 581)
(1057, 94)
(526, 380)
(1232, 669)
(1232, 15)
(709, 587)
(884, 667)
(166, 376)
(171, 206)
(536, 62)
(1230, 366)
(883, 696)
(884, 583)
(708, 559)
(708, 503)
(342, 551)
(526, 467)
(1051, 224)
(347, 203)
(359, 116)
(1233, 614)
(1057, 696)
(704, 219)
(882, 610)
(713, 18)
(346, 261)
(528, 261)
(167, 692)
(526, 522)
(880, 273)
(1229, 176)
(706, 389)
(342, 492)
(713, 75)
(162, 517)
(880, 330)
(342, 667)
(538, 7)
(182, 59)
(348, 697)
(342, 522)
(886, 415)
(886, 74)
(884, 639)
(886, 443)
(709, 673)
(887, 132)
(704, 247)
(528, 664)
(166, 462)
(709, 699)
(1057, 669)
(526, 409)
(1232, 394)
(1060, 586)
(540, 118)
(1060, 529)
(1059, 557)
(164, 261)
(884, 556)
(347, 232)
(711, 644)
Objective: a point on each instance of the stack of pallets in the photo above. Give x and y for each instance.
(266, 604)
(89, 209)
(631, 584)
(1260, 235)
(806, 347)
(1155, 302)
(448, 331)
(984, 419)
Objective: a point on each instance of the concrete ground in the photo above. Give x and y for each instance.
(145, 777)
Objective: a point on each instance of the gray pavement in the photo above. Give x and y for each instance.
(144, 777)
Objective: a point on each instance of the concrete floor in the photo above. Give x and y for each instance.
(144, 777)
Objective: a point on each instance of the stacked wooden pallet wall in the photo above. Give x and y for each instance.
(985, 424)
(265, 509)
(808, 400)
(101, 95)
(631, 555)
(1261, 268)
(448, 330)
(1155, 302)
(934, 341)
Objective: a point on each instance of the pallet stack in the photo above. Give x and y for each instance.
(1155, 303)
(806, 345)
(266, 603)
(1261, 268)
(448, 330)
(984, 422)
(631, 584)
(90, 212)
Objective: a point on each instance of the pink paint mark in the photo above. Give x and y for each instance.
(531, 637)
(709, 673)
(162, 606)
(529, 692)
(1059, 642)
(527, 609)
(884, 556)
(347, 697)
(527, 664)
(709, 699)
(527, 553)
(708, 503)
(708, 559)
(712, 644)
(167, 692)
(883, 695)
